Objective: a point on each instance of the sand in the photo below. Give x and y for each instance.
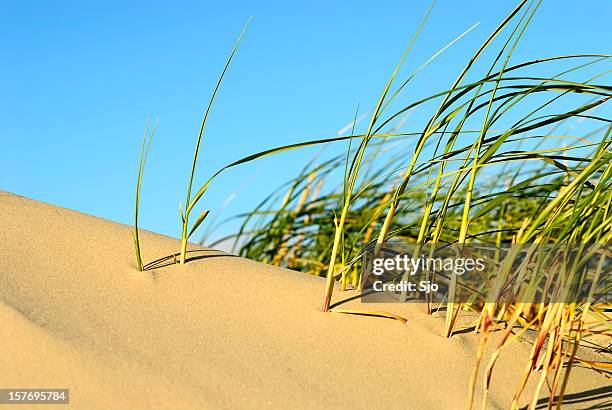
(218, 332)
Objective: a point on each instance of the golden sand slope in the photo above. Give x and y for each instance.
(218, 332)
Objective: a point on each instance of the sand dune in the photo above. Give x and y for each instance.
(219, 332)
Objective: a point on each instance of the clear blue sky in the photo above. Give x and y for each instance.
(78, 79)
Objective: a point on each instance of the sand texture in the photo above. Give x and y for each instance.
(218, 332)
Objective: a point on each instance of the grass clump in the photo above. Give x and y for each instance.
(505, 155)
(144, 151)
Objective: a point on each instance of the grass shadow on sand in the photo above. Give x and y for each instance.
(193, 256)
(583, 398)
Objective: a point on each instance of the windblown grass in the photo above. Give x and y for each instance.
(511, 157)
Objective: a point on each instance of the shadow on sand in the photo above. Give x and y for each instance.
(602, 395)
(191, 257)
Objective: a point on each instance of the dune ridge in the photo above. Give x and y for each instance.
(220, 331)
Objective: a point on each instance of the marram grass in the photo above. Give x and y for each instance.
(505, 155)
(190, 202)
(144, 152)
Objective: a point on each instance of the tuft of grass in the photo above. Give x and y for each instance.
(505, 155)
(186, 232)
(144, 151)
